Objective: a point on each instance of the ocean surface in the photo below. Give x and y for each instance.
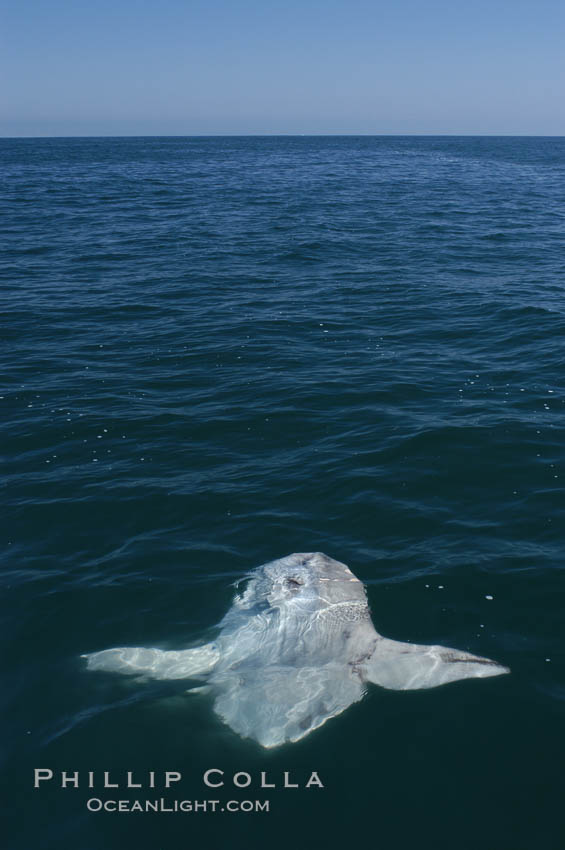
(218, 351)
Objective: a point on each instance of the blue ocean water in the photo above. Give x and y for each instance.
(222, 350)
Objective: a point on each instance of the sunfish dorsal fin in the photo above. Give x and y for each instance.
(156, 663)
(407, 666)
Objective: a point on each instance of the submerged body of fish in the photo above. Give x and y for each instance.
(297, 647)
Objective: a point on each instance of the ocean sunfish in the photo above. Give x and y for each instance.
(296, 648)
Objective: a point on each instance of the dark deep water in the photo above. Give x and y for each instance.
(219, 351)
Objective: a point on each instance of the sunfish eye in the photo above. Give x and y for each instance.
(294, 582)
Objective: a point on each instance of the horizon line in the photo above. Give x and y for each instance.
(287, 135)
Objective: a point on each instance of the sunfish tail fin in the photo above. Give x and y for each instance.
(156, 663)
(406, 666)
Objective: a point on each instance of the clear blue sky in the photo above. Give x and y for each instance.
(160, 67)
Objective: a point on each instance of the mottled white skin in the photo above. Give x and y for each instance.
(296, 648)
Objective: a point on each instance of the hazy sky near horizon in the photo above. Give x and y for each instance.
(137, 67)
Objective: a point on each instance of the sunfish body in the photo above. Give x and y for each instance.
(296, 648)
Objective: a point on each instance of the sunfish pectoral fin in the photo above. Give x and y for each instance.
(156, 663)
(407, 666)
